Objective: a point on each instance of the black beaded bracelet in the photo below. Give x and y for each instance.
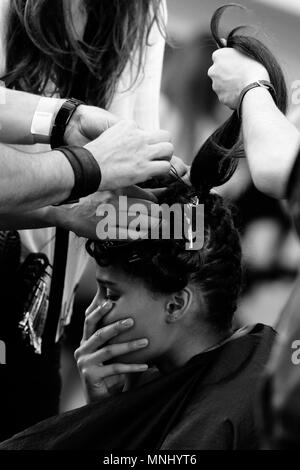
(62, 119)
(87, 172)
(260, 83)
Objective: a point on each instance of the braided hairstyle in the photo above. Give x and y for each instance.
(165, 266)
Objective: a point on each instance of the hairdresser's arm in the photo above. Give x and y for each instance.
(271, 141)
(32, 181)
(126, 155)
(79, 218)
(17, 109)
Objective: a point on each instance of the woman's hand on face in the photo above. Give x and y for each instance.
(231, 72)
(99, 378)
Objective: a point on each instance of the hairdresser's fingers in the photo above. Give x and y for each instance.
(162, 151)
(136, 192)
(179, 167)
(215, 55)
(159, 192)
(222, 53)
(111, 351)
(102, 336)
(213, 75)
(159, 136)
(187, 177)
(158, 168)
(92, 320)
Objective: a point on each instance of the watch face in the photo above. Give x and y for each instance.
(262, 84)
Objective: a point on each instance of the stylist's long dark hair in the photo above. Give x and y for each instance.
(217, 159)
(42, 45)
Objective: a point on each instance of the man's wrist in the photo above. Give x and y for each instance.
(58, 217)
(65, 175)
(86, 170)
(257, 93)
(260, 84)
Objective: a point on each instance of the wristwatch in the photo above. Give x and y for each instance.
(62, 119)
(259, 83)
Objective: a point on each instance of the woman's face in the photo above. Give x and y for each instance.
(132, 299)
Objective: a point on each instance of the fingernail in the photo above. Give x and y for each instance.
(143, 367)
(96, 310)
(141, 343)
(107, 304)
(128, 322)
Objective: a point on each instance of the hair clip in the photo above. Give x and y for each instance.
(188, 215)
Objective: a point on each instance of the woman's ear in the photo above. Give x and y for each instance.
(178, 305)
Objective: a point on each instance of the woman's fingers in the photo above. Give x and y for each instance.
(93, 317)
(111, 351)
(102, 336)
(97, 374)
(93, 305)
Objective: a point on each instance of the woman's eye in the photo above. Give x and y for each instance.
(109, 295)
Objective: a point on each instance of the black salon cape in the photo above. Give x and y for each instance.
(207, 404)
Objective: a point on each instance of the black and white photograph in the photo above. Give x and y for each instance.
(149, 230)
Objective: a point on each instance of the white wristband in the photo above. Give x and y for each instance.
(43, 119)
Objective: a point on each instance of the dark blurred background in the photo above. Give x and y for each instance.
(191, 112)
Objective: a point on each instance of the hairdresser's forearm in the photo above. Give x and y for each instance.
(39, 218)
(16, 113)
(28, 182)
(271, 142)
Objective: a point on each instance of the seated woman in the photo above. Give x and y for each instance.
(161, 305)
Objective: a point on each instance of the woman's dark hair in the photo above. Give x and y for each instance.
(219, 154)
(165, 266)
(42, 46)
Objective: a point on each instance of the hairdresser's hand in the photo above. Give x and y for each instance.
(179, 170)
(99, 378)
(88, 123)
(231, 72)
(81, 218)
(128, 155)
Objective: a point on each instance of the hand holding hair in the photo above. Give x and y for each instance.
(244, 60)
(231, 72)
